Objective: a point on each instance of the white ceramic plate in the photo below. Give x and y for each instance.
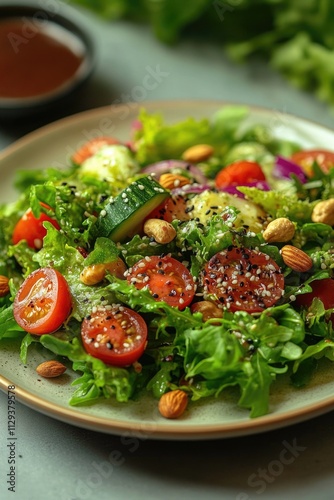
(50, 146)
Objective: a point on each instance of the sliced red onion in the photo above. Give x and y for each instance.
(284, 167)
(233, 189)
(161, 167)
(130, 145)
(136, 125)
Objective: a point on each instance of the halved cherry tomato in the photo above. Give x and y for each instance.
(166, 278)
(324, 290)
(172, 208)
(31, 229)
(43, 302)
(117, 336)
(243, 280)
(239, 173)
(91, 147)
(324, 158)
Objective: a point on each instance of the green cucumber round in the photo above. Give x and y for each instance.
(122, 215)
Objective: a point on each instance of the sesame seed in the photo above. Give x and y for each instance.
(38, 243)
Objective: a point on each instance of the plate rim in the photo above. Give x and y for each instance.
(73, 118)
(168, 431)
(171, 430)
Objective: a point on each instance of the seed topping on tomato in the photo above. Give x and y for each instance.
(166, 278)
(115, 334)
(243, 279)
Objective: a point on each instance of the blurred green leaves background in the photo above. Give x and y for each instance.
(295, 36)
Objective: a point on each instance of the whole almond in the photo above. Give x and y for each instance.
(95, 273)
(296, 258)
(4, 287)
(279, 230)
(50, 369)
(173, 404)
(172, 181)
(162, 231)
(324, 212)
(198, 153)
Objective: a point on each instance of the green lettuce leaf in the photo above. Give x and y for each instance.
(278, 204)
(69, 262)
(156, 140)
(98, 379)
(8, 325)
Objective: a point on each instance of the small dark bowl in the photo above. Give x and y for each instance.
(15, 107)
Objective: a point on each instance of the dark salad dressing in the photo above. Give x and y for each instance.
(36, 57)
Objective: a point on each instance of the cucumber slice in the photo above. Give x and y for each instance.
(124, 214)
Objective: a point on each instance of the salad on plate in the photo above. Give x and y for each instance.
(195, 257)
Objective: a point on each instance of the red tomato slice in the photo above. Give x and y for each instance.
(171, 209)
(324, 290)
(117, 336)
(31, 229)
(239, 173)
(91, 147)
(243, 279)
(305, 159)
(166, 278)
(43, 302)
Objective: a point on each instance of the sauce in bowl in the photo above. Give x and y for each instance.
(37, 57)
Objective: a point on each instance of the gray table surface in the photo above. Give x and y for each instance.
(56, 461)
